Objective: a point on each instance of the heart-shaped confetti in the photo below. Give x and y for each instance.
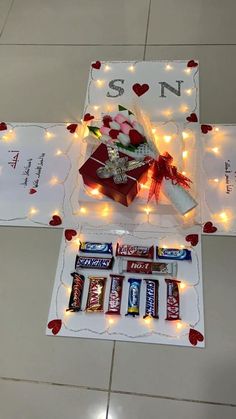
(69, 234)
(113, 133)
(97, 65)
(72, 128)
(195, 337)
(88, 117)
(192, 118)
(206, 128)
(209, 227)
(3, 126)
(192, 63)
(140, 89)
(192, 238)
(55, 325)
(135, 137)
(32, 191)
(55, 221)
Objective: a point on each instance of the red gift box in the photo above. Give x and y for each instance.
(123, 193)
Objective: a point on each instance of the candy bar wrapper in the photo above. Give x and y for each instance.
(129, 250)
(86, 262)
(152, 305)
(174, 254)
(96, 294)
(141, 267)
(172, 299)
(76, 292)
(90, 247)
(115, 295)
(134, 297)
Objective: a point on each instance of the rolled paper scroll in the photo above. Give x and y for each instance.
(177, 195)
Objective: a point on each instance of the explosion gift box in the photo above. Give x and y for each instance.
(125, 174)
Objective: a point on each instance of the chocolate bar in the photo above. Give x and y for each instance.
(174, 254)
(96, 294)
(129, 250)
(76, 292)
(172, 312)
(115, 295)
(134, 297)
(90, 247)
(84, 262)
(141, 267)
(152, 288)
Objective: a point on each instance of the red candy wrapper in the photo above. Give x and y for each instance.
(115, 294)
(123, 193)
(96, 294)
(172, 312)
(141, 267)
(129, 250)
(76, 292)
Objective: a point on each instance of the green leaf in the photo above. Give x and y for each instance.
(126, 147)
(122, 108)
(95, 131)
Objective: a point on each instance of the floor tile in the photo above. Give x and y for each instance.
(192, 22)
(5, 6)
(77, 22)
(200, 374)
(28, 262)
(134, 407)
(217, 77)
(48, 84)
(36, 401)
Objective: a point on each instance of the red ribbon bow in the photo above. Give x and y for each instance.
(162, 168)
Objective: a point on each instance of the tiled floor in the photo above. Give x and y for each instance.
(46, 47)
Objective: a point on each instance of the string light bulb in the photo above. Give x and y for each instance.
(168, 67)
(58, 152)
(54, 181)
(179, 325)
(223, 216)
(107, 68)
(182, 286)
(147, 210)
(83, 210)
(185, 135)
(100, 83)
(95, 191)
(96, 107)
(187, 70)
(76, 135)
(217, 129)
(215, 150)
(49, 134)
(33, 211)
(153, 130)
(185, 154)
(167, 138)
(188, 92)
(131, 68)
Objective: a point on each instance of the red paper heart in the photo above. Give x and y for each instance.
(88, 117)
(97, 65)
(192, 238)
(32, 191)
(3, 126)
(55, 221)
(69, 234)
(72, 128)
(55, 325)
(192, 63)
(140, 89)
(106, 120)
(206, 128)
(195, 337)
(192, 118)
(113, 133)
(135, 137)
(209, 227)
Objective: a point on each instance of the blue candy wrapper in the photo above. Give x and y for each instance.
(134, 297)
(174, 254)
(90, 247)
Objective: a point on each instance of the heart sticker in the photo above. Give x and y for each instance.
(206, 128)
(140, 89)
(192, 63)
(55, 325)
(97, 65)
(209, 227)
(72, 128)
(32, 191)
(55, 221)
(195, 337)
(192, 118)
(3, 126)
(69, 234)
(192, 238)
(88, 117)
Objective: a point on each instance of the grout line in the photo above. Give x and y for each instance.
(51, 383)
(110, 379)
(125, 393)
(111, 45)
(6, 19)
(177, 399)
(146, 37)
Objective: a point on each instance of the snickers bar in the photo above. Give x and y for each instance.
(84, 262)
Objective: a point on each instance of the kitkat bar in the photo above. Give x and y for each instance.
(130, 250)
(142, 267)
(173, 303)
